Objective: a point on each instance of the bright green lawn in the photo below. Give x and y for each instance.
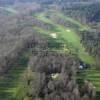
(70, 37)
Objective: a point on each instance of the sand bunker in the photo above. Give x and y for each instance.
(54, 76)
(68, 30)
(54, 35)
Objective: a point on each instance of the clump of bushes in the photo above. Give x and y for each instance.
(54, 78)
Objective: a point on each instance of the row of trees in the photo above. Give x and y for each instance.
(80, 10)
(92, 42)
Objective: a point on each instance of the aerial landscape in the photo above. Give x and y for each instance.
(49, 49)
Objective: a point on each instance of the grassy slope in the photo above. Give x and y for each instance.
(70, 37)
(74, 40)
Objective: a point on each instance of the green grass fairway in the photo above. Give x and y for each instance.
(70, 38)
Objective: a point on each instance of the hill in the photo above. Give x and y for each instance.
(49, 50)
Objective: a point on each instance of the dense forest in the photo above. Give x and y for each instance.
(49, 50)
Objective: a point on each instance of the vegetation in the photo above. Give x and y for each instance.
(49, 50)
